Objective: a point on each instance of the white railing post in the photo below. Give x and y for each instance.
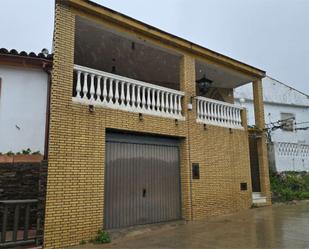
(122, 97)
(116, 93)
(92, 88)
(133, 97)
(78, 86)
(171, 104)
(85, 87)
(198, 106)
(153, 102)
(110, 93)
(179, 105)
(167, 106)
(104, 90)
(158, 101)
(212, 114)
(98, 91)
(148, 99)
(204, 116)
(143, 98)
(138, 98)
(128, 99)
(162, 103)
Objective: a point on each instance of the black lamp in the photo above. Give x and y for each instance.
(203, 84)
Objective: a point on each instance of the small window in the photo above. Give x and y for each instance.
(195, 171)
(287, 121)
(243, 186)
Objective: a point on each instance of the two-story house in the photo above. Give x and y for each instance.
(143, 127)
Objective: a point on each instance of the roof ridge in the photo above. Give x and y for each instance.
(14, 52)
(280, 82)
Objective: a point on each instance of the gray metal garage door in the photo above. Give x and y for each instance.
(142, 180)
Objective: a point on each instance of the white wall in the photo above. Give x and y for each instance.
(273, 113)
(23, 101)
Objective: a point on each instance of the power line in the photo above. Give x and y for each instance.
(305, 122)
(281, 121)
(302, 128)
(279, 124)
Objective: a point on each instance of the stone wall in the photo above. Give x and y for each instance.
(20, 181)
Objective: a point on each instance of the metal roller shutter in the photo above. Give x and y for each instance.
(142, 180)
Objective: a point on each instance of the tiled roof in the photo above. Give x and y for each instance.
(14, 52)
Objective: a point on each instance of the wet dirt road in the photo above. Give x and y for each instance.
(285, 226)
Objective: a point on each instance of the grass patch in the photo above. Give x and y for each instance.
(101, 238)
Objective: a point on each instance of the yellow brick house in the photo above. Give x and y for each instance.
(143, 127)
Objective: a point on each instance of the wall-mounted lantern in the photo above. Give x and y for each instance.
(204, 84)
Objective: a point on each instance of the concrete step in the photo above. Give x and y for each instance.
(256, 194)
(257, 198)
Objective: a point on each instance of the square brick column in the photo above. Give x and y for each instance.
(261, 141)
(187, 85)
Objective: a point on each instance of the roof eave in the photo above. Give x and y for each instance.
(25, 61)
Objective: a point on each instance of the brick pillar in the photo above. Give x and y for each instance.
(59, 226)
(244, 119)
(261, 141)
(187, 85)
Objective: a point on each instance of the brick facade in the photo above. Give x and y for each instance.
(75, 188)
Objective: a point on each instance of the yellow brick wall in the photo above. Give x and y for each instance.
(75, 188)
(224, 164)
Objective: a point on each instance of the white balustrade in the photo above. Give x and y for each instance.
(214, 112)
(98, 88)
(289, 156)
(292, 149)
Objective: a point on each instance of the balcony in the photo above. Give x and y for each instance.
(218, 113)
(150, 78)
(99, 88)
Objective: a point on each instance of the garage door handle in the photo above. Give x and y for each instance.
(144, 192)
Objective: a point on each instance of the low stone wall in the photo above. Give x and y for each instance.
(19, 181)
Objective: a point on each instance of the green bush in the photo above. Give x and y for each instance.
(26, 152)
(102, 237)
(304, 195)
(288, 186)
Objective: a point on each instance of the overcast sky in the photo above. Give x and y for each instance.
(272, 35)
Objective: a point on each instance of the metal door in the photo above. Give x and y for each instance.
(254, 164)
(142, 180)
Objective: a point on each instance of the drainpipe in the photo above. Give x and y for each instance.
(47, 68)
(190, 162)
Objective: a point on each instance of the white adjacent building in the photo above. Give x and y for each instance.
(289, 150)
(24, 87)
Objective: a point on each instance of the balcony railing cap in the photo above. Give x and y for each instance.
(218, 102)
